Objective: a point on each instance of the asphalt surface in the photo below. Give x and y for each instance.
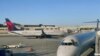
(41, 47)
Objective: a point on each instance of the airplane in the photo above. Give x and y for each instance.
(35, 33)
(75, 45)
(13, 29)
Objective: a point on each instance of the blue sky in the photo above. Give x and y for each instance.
(58, 12)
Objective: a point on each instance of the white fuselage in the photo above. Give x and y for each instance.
(27, 33)
(74, 45)
(37, 33)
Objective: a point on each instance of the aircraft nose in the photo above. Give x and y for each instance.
(67, 51)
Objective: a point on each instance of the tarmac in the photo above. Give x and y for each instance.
(40, 47)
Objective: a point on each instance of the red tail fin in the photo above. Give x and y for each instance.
(10, 25)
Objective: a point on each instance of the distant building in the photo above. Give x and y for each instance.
(49, 27)
(1, 25)
(40, 26)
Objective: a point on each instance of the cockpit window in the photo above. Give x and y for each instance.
(72, 42)
(67, 43)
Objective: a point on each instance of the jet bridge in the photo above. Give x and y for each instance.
(97, 44)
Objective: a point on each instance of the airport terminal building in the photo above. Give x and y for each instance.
(3, 28)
